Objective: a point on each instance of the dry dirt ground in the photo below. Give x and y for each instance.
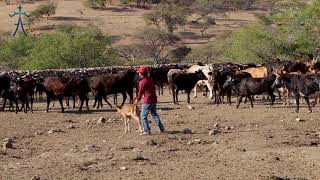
(259, 143)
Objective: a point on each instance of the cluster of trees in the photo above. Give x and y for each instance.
(64, 48)
(290, 31)
(46, 10)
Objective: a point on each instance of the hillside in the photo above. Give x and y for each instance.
(123, 22)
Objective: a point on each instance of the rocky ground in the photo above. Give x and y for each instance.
(203, 142)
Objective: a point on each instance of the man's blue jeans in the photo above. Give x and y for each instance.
(144, 117)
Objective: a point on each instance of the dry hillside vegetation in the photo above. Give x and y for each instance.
(123, 22)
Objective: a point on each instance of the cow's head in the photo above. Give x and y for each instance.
(317, 80)
(278, 82)
(201, 75)
(229, 82)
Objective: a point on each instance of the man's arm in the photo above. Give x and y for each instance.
(142, 88)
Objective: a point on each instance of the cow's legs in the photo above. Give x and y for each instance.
(188, 96)
(308, 103)
(210, 88)
(106, 100)
(124, 97)
(177, 93)
(4, 103)
(130, 93)
(195, 91)
(250, 99)
(297, 101)
(173, 95)
(61, 104)
(74, 102)
(239, 101)
(48, 103)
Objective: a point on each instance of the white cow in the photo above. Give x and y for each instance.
(206, 69)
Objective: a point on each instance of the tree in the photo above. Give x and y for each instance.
(157, 43)
(46, 9)
(95, 3)
(170, 14)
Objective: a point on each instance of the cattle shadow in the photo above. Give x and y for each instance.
(167, 109)
(115, 9)
(68, 18)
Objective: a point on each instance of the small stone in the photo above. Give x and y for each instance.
(216, 125)
(187, 131)
(91, 148)
(136, 150)
(123, 168)
(53, 130)
(101, 120)
(35, 178)
(227, 128)
(190, 107)
(256, 126)
(151, 143)
(37, 133)
(214, 132)
(277, 158)
(231, 128)
(112, 120)
(71, 126)
(298, 119)
(196, 141)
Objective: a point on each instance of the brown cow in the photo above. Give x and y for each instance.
(59, 87)
(257, 72)
(122, 82)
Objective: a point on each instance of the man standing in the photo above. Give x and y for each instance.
(148, 89)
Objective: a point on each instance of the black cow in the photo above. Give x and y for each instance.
(185, 81)
(299, 85)
(246, 87)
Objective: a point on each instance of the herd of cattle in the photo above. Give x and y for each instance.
(284, 78)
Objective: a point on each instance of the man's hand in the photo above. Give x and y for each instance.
(135, 101)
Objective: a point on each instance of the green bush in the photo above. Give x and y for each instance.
(286, 34)
(14, 50)
(69, 47)
(95, 3)
(45, 10)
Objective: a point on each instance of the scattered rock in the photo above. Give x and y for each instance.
(91, 148)
(101, 120)
(190, 107)
(37, 133)
(35, 178)
(151, 143)
(298, 119)
(216, 125)
(123, 168)
(187, 131)
(179, 116)
(53, 130)
(242, 149)
(112, 120)
(7, 143)
(214, 132)
(136, 150)
(277, 158)
(71, 126)
(227, 128)
(139, 158)
(196, 141)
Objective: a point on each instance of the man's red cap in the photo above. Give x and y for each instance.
(142, 70)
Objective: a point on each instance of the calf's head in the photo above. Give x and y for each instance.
(278, 82)
(229, 82)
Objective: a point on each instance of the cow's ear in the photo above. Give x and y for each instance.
(210, 73)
